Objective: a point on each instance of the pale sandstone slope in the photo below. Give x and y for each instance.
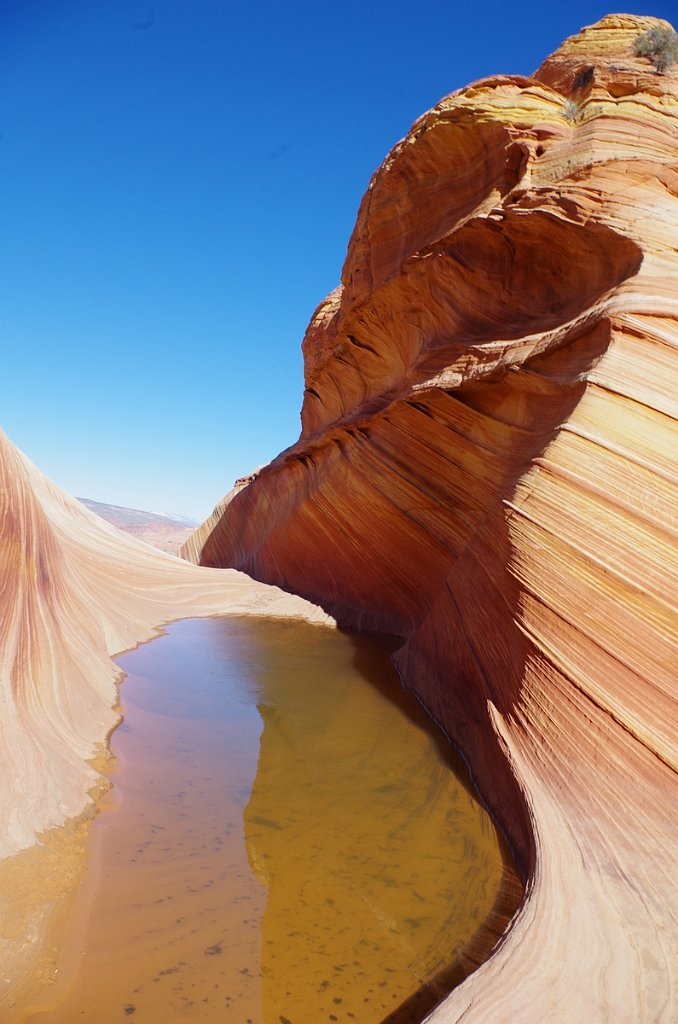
(487, 467)
(74, 590)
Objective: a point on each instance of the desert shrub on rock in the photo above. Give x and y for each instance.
(659, 45)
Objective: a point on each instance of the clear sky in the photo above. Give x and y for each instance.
(178, 183)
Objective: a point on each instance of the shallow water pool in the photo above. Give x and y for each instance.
(287, 840)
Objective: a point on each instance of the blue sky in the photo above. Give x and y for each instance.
(178, 183)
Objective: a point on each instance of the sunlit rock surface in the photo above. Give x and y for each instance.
(487, 467)
(75, 590)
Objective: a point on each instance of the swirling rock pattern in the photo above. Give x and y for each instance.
(75, 590)
(487, 467)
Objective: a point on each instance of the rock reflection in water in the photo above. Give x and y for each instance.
(379, 864)
(336, 877)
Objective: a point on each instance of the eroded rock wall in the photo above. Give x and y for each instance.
(487, 468)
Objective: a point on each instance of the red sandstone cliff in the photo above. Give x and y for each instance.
(487, 467)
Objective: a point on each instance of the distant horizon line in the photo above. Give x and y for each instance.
(175, 516)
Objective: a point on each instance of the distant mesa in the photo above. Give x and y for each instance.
(165, 532)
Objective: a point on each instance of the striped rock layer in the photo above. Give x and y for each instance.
(487, 468)
(73, 591)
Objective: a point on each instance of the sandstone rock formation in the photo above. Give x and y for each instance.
(487, 468)
(193, 545)
(74, 591)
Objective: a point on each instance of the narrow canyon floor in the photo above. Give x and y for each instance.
(287, 840)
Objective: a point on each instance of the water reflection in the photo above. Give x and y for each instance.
(379, 865)
(284, 842)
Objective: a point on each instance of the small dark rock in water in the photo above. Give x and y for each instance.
(214, 950)
(129, 1009)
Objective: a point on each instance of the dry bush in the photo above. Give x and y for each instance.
(659, 45)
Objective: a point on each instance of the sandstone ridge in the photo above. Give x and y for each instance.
(75, 590)
(487, 468)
